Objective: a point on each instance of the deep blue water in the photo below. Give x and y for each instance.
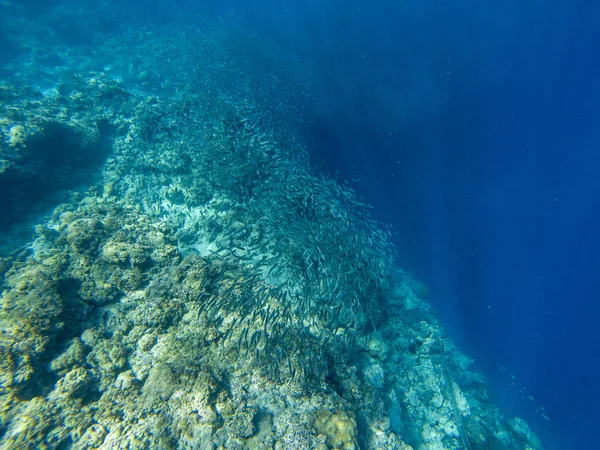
(474, 128)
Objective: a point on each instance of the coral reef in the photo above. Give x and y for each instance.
(199, 285)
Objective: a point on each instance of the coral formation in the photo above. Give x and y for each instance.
(339, 428)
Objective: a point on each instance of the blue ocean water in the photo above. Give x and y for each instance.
(474, 129)
(494, 192)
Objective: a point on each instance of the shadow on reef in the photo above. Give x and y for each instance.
(59, 158)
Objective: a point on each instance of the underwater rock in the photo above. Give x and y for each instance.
(377, 347)
(523, 433)
(16, 136)
(375, 375)
(73, 384)
(73, 356)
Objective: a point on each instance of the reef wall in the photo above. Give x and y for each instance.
(176, 275)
